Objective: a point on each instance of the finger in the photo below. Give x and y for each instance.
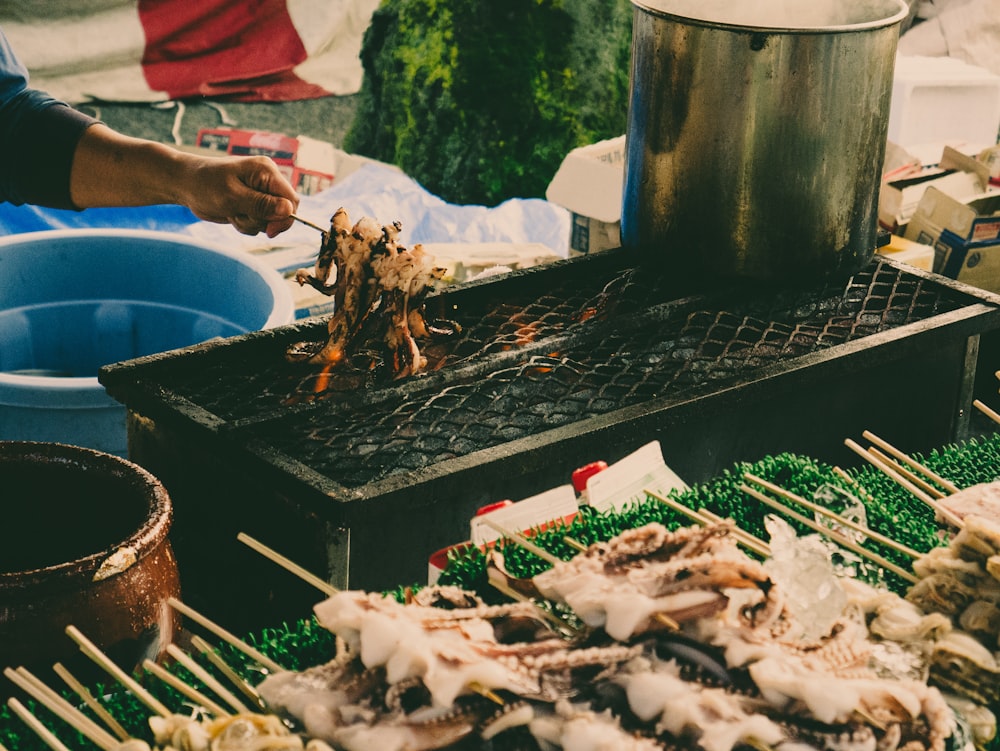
(246, 225)
(277, 227)
(267, 179)
(269, 208)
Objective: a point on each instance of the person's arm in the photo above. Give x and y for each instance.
(111, 169)
(52, 155)
(38, 135)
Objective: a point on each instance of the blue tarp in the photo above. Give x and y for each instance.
(15, 220)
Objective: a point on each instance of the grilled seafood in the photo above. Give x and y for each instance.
(378, 292)
(235, 733)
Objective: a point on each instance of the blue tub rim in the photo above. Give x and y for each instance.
(88, 391)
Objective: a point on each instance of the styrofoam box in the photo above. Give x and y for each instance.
(589, 184)
(943, 99)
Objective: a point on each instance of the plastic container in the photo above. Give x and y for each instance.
(938, 100)
(75, 300)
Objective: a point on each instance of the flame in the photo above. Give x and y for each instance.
(526, 334)
(323, 378)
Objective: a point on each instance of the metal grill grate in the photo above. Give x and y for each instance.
(246, 384)
(663, 352)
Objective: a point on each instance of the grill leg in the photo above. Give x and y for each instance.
(961, 429)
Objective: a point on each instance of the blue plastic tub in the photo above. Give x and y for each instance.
(74, 300)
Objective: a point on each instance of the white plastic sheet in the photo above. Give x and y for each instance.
(386, 194)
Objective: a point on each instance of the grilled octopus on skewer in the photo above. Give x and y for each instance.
(378, 293)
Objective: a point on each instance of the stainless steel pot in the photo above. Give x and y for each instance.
(756, 134)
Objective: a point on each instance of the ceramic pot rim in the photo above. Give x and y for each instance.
(144, 540)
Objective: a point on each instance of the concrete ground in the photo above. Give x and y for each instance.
(325, 119)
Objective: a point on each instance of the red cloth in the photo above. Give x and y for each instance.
(245, 50)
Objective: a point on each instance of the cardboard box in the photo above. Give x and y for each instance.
(308, 164)
(965, 236)
(898, 200)
(991, 159)
(959, 175)
(589, 183)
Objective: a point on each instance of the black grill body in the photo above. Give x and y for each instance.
(360, 478)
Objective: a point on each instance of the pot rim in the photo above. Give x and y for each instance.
(144, 540)
(656, 8)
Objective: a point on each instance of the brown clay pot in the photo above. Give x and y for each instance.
(83, 542)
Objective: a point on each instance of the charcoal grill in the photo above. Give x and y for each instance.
(555, 366)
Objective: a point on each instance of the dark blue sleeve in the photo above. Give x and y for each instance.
(38, 137)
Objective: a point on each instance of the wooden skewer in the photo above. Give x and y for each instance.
(913, 477)
(207, 678)
(892, 450)
(88, 698)
(61, 708)
(867, 717)
(321, 585)
(742, 536)
(104, 662)
(889, 472)
(756, 744)
(575, 544)
(522, 541)
(46, 735)
(861, 490)
(213, 657)
(666, 620)
(680, 508)
(306, 222)
(844, 476)
(816, 508)
(489, 693)
(992, 414)
(704, 516)
(839, 539)
(287, 564)
(184, 689)
(225, 635)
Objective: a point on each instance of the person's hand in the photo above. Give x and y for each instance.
(247, 192)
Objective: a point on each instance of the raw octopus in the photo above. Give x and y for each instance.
(417, 676)
(378, 291)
